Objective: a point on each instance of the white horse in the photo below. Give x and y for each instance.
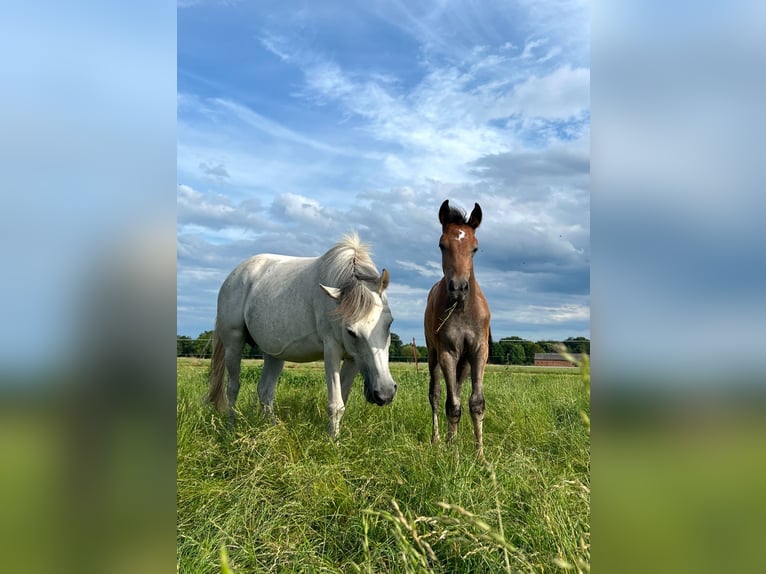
(304, 309)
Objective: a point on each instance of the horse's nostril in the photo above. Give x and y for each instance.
(457, 287)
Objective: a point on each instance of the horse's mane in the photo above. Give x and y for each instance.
(455, 215)
(348, 266)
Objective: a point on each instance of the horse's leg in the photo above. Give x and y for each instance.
(434, 393)
(452, 408)
(234, 343)
(476, 402)
(347, 373)
(335, 406)
(272, 367)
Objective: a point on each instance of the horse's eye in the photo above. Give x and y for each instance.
(350, 332)
(475, 249)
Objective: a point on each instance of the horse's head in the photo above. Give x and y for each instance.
(458, 245)
(365, 320)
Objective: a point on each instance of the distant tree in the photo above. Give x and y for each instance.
(516, 354)
(514, 351)
(549, 346)
(578, 344)
(509, 351)
(530, 349)
(252, 352)
(508, 345)
(203, 345)
(395, 348)
(497, 353)
(406, 352)
(184, 346)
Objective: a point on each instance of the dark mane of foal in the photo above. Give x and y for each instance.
(456, 215)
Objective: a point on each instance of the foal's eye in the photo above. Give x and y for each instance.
(350, 332)
(475, 249)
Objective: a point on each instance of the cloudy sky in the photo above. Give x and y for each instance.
(299, 122)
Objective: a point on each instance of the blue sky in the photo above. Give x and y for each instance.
(299, 122)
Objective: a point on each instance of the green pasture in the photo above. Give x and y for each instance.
(284, 498)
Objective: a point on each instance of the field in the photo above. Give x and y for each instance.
(284, 498)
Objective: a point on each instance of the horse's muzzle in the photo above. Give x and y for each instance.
(457, 290)
(379, 397)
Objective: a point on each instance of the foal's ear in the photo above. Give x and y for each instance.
(333, 292)
(385, 277)
(444, 212)
(475, 219)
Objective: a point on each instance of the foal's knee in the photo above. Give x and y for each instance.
(476, 404)
(453, 409)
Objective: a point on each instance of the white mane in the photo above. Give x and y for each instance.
(348, 266)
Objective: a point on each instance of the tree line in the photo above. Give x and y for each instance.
(506, 351)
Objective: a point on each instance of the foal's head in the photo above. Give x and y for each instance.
(458, 245)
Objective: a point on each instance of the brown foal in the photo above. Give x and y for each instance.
(457, 325)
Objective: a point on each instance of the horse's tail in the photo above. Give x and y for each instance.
(216, 393)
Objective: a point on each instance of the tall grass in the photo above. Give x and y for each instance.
(382, 499)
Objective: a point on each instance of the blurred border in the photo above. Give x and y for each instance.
(87, 366)
(677, 279)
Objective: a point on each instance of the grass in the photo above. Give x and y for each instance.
(276, 498)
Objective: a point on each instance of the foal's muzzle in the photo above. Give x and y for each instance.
(457, 290)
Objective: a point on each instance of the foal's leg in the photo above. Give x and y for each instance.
(462, 369)
(434, 393)
(272, 367)
(476, 402)
(452, 408)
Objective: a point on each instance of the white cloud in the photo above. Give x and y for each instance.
(563, 94)
(296, 208)
(194, 207)
(445, 120)
(430, 269)
(530, 46)
(274, 129)
(273, 44)
(214, 170)
(545, 315)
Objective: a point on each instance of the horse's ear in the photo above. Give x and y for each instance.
(333, 292)
(444, 212)
(385, 277)
(475, 219)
